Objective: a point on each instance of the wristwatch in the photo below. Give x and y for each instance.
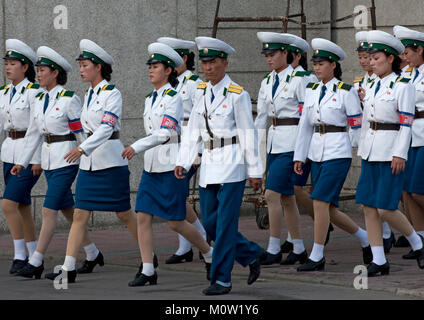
(80, 150)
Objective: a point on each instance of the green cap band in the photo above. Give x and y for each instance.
(212, 53)
(294, 49)
(160, 57)
(411, 42)
(182, 52)
(275, 46)
(16, 55)
(92, 57)
(44, 61)
(326, 54)
(363, 45)
(383, 47)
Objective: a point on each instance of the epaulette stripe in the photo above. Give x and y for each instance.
(171, 92)
(108, 87)
(405, 80)
(149, 95)
(202, 85)
(4, 87)
(193, 77)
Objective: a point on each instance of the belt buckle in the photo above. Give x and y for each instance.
(274, 122)
(321, 129)
(48, 138)
(210, 144)
(373, 125)
(12, 134)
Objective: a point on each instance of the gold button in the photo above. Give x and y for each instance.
(8, 120)
(210, 118)
(44, 129)
(317, 111)
(150, 127)
(273, 112)
(86, 122)
(372, 115)
(319, 120)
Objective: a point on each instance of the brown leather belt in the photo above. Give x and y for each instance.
(326, 128)
(16, 134)
(50, 138)
(114, 136)
(285, 122)
(384, 126)
(418, 114)
(220, 142)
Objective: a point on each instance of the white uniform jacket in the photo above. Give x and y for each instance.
(62, 117)
(365, 81)
(102, 117)
(418, 124)
(340, 106)
(162, 122)
(187, 88)
(287, 103)
(17, 114)
(393, 103)
(229, 115)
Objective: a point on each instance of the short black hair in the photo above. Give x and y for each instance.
(62, 76)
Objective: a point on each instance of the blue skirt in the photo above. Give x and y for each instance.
(301, 179)
(59, 181)
(281, 175)
(162, 195)
(378, 187)
(188, 177)
(103, 190)
(414, 171)
(328, 178)
(18, 189)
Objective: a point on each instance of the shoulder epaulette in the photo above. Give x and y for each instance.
(404, 80)
(149, 95)
(267, 75)
(193, 77)
(33, 86)
(308, 72)
(235, 89)
(202, 85)
(108, 87)
(4, 87)
(300, 74)
(66, 93)
(358, 79)
(312, 85)
(409, 69)
(171, 92)
(344, 86)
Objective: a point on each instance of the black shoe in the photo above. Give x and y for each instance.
(373, 269)
(88, 266)
(367, 255)
(401, 242)
(143, 279)
(330, 229)
(208, 270)
(255, 271)
(30, 271)
(292, 258)
(286, 247)
(17, 265)
(388, 243)
(269, 258)
(411, 255)
(140, 268)
(216, 289)
(72, 275)
(188, 257)
(312, 265)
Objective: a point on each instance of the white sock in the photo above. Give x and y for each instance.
(69, 264)
(19, 248)
(200, 228)
(317, 252)
(415, 241)
(387, 232)
(362, 236)
(31, 247)
(184, 246)
(298, 246)
(91, 252)
(378, 256)
(289, 238)
(208, 256)
(421, 233)
(273, 245)
(36, 259)
(148, 269)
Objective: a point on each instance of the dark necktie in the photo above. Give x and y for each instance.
(155, 95)
(323, 89)
(13, 93)
(275, 86)
(90, 96)
(46, 103)
(377, 87)
(416, 74)
(212, 96)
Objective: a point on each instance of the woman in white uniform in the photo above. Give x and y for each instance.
(57, 126)
(103, 177)
(160, 193)
(17, 101)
